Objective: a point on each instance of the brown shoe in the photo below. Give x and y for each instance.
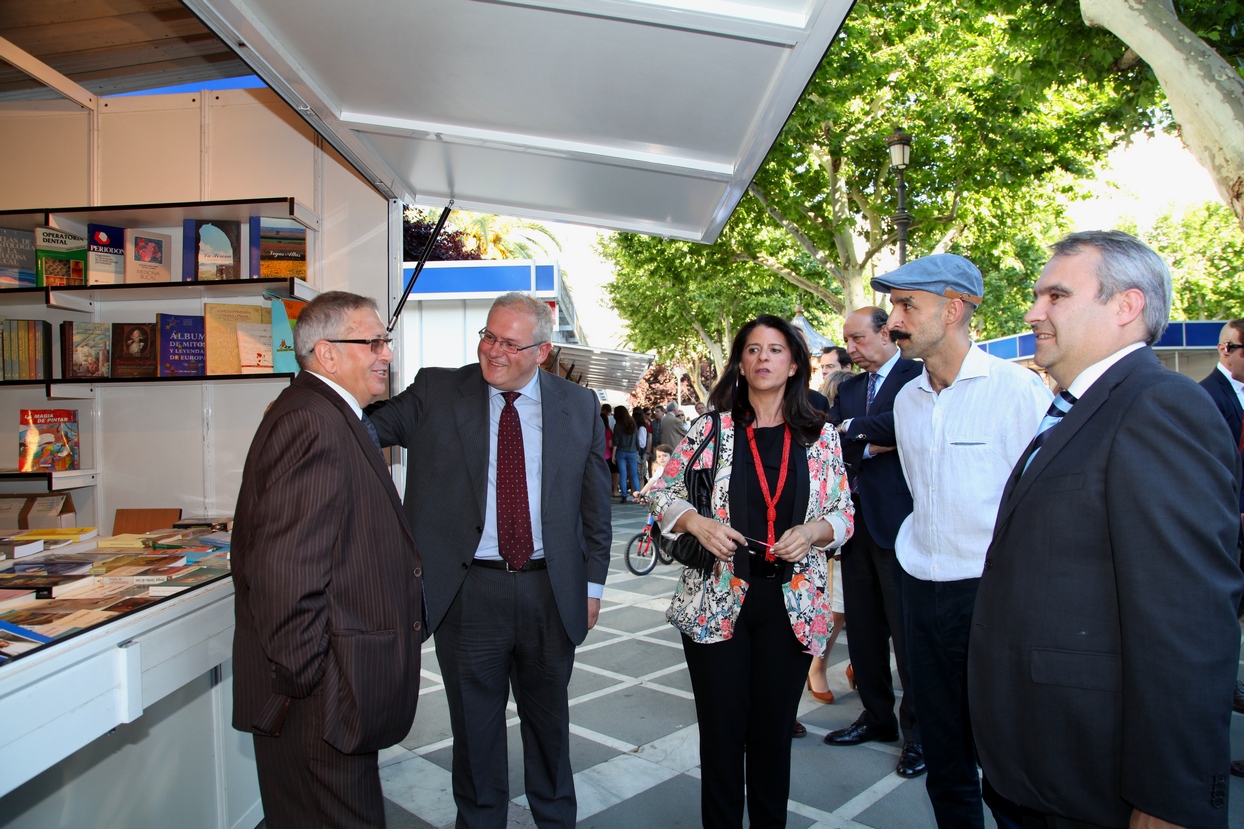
(800, 731)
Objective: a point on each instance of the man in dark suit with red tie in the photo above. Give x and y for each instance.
(1109, 595)
(507, 492)
(329, 582)
(871, 579)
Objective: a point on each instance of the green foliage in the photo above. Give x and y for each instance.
(686, 301)
(1205, 251)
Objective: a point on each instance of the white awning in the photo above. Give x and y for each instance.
(599, 368)
(642, 116)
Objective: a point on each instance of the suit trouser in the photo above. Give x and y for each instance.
(306, 782)
(747, 692)
(938, 617)
(872, 587)
(503, 629)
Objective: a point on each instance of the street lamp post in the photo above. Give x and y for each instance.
(899, 145)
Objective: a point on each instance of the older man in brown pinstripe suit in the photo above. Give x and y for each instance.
(329, 582)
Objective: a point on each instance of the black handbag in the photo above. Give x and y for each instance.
(687, 549)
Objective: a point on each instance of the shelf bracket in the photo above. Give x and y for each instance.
(69, 302)
(130, 680)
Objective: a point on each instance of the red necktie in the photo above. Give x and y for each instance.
(514, 540)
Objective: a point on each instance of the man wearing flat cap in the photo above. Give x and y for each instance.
(960, 428)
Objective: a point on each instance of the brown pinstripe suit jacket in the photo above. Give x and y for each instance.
(327, 575)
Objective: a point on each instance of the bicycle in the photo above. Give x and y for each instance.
(644, 551)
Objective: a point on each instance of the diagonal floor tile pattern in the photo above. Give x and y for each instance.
(634, 742)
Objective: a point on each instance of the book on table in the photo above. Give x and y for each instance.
(60, 534)
(200, 575)
(14, 547)
(46, 587)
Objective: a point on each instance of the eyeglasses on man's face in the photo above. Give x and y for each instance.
(377, 344)
(490, 339)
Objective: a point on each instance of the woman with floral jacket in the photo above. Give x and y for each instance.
(753, 623)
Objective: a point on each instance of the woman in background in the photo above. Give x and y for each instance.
(626, 452)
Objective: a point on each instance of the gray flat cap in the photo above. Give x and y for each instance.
(944, 274)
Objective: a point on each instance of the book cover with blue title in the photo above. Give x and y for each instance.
(182, 348)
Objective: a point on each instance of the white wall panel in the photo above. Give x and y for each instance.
(149, 149)
(45, 151)
(354, 223)
(258, 147)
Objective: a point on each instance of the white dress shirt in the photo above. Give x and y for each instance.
(1235, 384)
(345, 395)
(958, 448)
(531, 418)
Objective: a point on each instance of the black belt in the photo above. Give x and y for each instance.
(498, 564)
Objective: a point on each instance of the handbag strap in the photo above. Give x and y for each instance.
(714, 434)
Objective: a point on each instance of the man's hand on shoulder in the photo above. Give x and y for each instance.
(593, 612)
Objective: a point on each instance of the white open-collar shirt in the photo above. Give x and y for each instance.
(958, 448)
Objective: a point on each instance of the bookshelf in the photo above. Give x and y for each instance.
(134, 302)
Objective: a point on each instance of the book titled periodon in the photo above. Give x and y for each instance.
(181, 349)
(48, 441)
(60, 258)
(17, 259)
(105, 260)
(211, 250)
(148, 256)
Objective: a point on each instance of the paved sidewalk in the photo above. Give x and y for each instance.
(633, 734)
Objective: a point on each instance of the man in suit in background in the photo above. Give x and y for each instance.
(673, 428)
(329, 582)
(1225, 385)
(871, 577)
(508, 493)
(1111, 584)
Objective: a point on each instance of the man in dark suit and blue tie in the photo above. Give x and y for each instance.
(329, 583)
(507, 492)
(871, 578)
(1111, 583)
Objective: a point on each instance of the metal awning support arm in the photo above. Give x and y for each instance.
(423, 258)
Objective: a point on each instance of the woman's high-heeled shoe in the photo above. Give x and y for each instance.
(850, 676)
(826, 697)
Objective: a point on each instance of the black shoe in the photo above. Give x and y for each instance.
(800, 730)
(1237, 704)
(857, 733)
(911, 761)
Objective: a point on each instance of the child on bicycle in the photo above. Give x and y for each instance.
(662, 455)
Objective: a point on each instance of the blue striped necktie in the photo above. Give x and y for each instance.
(873, 378)
(371, 429)
(1061, 404)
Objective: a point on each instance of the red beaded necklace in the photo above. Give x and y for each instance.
(770, 502)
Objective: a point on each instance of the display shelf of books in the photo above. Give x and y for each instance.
(53, 480)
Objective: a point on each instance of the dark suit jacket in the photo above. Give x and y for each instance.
(1228, 403)
(442, 420)
(327, 577)
(878, 483)
(1104, 642)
